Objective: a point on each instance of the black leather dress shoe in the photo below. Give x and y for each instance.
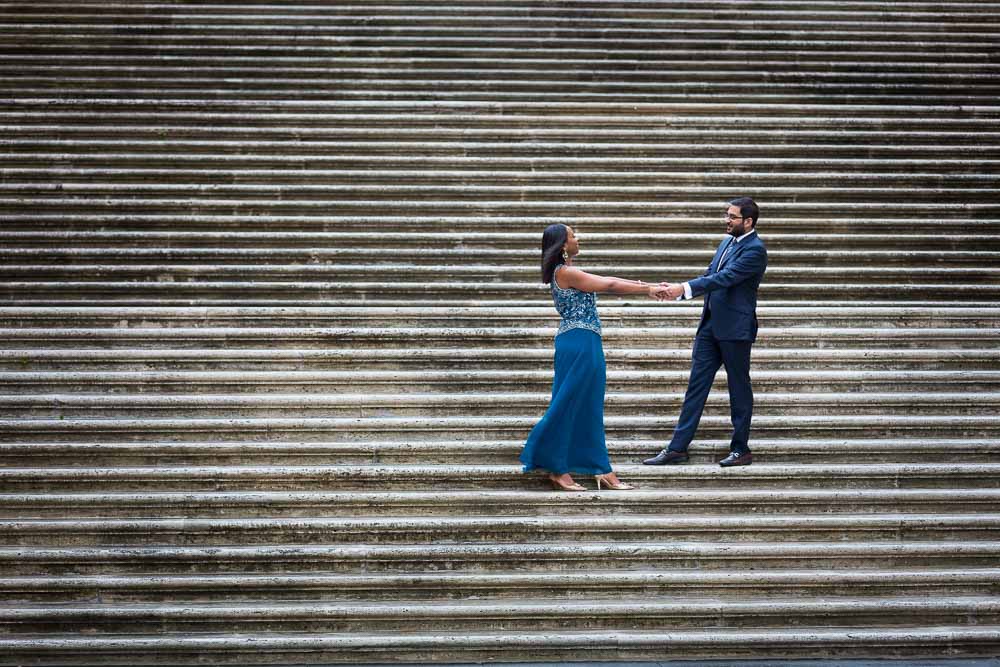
(667, 457)
(737, 459)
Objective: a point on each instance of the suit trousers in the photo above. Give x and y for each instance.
(708, 355)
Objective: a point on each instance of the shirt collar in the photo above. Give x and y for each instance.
(752, 231)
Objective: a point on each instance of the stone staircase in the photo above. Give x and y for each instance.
(273, 336)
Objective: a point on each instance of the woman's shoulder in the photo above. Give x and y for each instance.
(567, 273)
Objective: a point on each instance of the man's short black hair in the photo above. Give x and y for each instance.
(748, 208)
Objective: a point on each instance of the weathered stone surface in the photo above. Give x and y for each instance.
(273, 335)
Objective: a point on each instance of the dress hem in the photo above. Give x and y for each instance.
(571, 471)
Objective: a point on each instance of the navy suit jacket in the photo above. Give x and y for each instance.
(731, 292)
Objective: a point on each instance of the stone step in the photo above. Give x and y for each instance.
(624, 312)
(588, 152)
(601, 245)
(770, 400)
(713, 427)
(728, 501)
(920, 114)
(347, 339)
(693, 73)
(916, 642)
(151, 131)
(797, 90)
(621, 13)
(771, 476)
(496, 452)
(488, 20)
(593, 180)
(970, 277)
(162, 289)
(493, 558)
(500, 61)
(450, 195)
(491, 27)
(531, 614)
(700, 76)
(387, 387)
(944, 223)
(120, 206)
(618, 158)
(237, 649)
(445, 587)
(775, 120)
(508, 264)
(638, 528)
(938, 38)
(582, 12)
(939, 358)
(788, 95)
(428, 258)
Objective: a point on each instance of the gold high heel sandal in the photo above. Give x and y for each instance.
(559, 486)
(620, 486)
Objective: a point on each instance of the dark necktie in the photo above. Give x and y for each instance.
(725, 252)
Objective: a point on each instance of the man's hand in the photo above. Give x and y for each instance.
(672, 290)
(658, 292)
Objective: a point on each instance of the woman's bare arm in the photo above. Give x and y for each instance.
(589, 282)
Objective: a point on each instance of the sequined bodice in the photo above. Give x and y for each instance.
(578, 309)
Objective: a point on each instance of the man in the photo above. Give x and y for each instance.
(725, 334)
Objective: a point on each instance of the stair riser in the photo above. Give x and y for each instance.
(653, 405)
(535, 385)
(703, 205)
(862, 223)
(201, 172)
(606, 247)
(504, 564)
(485, 22)
(593, 155)
(667, 316)
(613, 16)
(507, 267)
(444, 651)
(320, 292)
(142, 623)
(791, 93)
(152, 537)
(712, 427)
(206, 483)
(612, 589)
(725, 502)
(78, 121)
(497, 456)
(84, 362)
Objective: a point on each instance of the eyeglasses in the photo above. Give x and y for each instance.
(729, 217)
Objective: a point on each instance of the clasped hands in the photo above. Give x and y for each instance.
(666, 291)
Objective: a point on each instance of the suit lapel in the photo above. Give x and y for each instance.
(722, 249)
(736, 249)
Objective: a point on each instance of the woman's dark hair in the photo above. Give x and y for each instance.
(553, 239)
(748, 208)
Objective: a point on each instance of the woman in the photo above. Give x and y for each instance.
(570, 437)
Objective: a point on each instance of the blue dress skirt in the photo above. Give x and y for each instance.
(570, 437)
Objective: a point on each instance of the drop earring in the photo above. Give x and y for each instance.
(565, 255)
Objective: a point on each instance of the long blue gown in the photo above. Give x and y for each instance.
(570, 436)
